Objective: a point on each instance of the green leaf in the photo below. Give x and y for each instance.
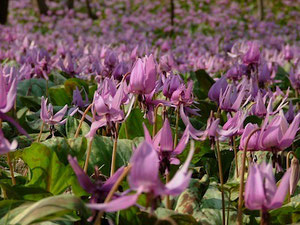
(72, 83)
(19, 192)
(203, 82)
(134, 125)
(33, 87)
(58, 95)
(102, 151)
(52, 208)
(72, 125)
(47, 171)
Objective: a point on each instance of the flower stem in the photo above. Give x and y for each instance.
(241, 190)
(155, 119)
(88, 155)
(235, 156)
(221, 180)
(11, 169)
(168, 203)
(82, 119)
(13, 179)
(264, 217)
(41, 131)
(287, 167)
(176, 127)
(114, 153)
(112, 191)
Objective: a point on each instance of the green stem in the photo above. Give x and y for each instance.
(114, 153)
(86, 164)
(235, 156)
(41, 131)
(111, 193)
(176, 127)
(82, 119)
(221, 180)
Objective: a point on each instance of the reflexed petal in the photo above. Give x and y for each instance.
(95, 126)
(290, 134)
(120, 203)
(166, 140)
(82, 177)
(112, 180)
(183, 141)
(281, 192)
(60, 114)
(145, 168)
(254, 189)
(181, 179)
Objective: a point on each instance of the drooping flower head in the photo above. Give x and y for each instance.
(143, 76)
(261, 192)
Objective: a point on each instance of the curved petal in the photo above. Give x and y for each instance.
(181, 179)
(120, 203)
(95, 126)
(281, 191)
(82, 177)
(60, 114)
(254, 189)
(166, 143)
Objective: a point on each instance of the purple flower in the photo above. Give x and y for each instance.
(261, 192)
(106, 108)
(290, 115)
(217, 88)
(295, 78)
(183, 95)
(98, 188)
(278, 134)
(171, 84)
(231, 99)
(5, 146)
(288, 53)
(163, 144)
(77, 98)
(253, 54)
(8, 92)
(47, 115)
(259, 109)
(234, 125)
(253, 141)
(143, 76)
(144, 178)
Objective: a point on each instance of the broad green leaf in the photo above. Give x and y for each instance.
(102, 151)
(59, 96)
(52, 208)
(19, 192)
(202, 84)
(134, 125)
(72, 83)
(47, 171)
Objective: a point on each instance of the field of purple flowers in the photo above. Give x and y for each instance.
(136, 112)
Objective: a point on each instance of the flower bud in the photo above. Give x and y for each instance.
(294, 175)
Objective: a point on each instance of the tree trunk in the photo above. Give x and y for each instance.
(3, 11)
(89, 10)
(41, 4)
(172, 15)
(260, 7)
(70, 4)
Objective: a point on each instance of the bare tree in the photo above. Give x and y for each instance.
(3, 11)
(42, 6)
(89, 10)
(172, 15)
(260, 7)
(70, 4)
